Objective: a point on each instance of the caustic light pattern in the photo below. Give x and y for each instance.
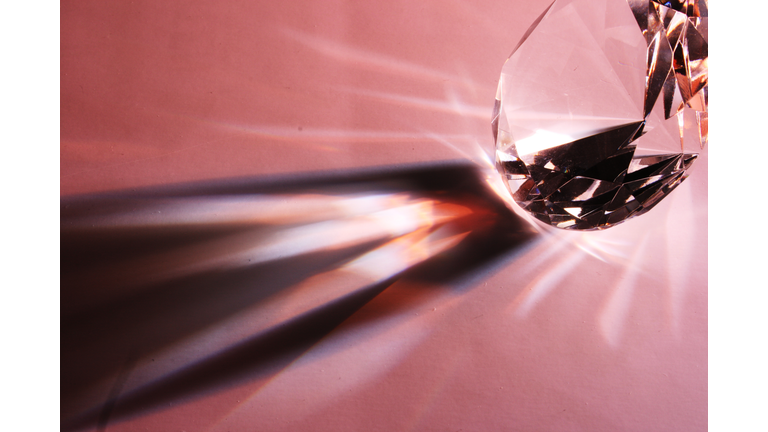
(602, 108)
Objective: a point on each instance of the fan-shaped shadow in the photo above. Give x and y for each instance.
(174, 292)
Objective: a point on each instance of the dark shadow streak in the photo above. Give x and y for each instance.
(257, 358)
(97, 340)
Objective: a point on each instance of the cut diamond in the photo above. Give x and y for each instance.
(602, 108)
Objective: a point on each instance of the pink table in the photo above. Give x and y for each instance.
(595, 331)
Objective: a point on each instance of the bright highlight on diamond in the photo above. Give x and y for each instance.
(602, 108)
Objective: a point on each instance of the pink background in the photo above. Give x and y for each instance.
(599, 331)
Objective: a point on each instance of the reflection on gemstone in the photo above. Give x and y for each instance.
(602, 108)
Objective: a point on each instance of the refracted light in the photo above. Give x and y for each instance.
(419, 230)
(540, 140)
(275, 227)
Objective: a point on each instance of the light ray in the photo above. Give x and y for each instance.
(614, 313)
(394, 215)
(436, 105)
(372, 60)
(252, 209)
(545, 284)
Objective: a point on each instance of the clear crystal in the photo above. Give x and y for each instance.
(602, 108)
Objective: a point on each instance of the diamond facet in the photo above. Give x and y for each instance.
(601, 108)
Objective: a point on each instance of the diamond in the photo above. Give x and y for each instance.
(601, 109)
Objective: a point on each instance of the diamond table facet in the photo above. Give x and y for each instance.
(601, 109)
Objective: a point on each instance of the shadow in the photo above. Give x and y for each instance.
(145, 272)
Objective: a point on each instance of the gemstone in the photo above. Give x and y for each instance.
(601, 109)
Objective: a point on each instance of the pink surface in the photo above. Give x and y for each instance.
(597, 331)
